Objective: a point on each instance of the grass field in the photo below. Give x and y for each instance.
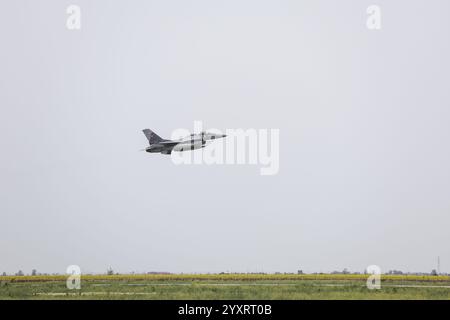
(225, 286)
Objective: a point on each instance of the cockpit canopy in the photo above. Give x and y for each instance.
(204, 135)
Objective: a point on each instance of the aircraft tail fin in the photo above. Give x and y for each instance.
(151, 136)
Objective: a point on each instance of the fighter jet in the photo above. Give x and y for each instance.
(191, 142)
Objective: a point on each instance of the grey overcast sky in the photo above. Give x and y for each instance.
(364, 127)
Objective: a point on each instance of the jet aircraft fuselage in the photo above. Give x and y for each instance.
(191, 142)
